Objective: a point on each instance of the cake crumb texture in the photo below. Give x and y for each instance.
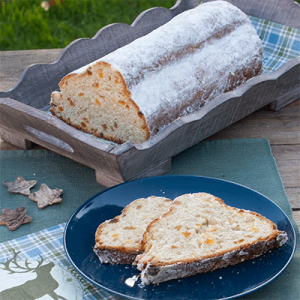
(118, 240)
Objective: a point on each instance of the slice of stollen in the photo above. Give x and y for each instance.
(118, 240)
(199, 234)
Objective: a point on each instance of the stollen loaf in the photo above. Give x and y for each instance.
(200, 233)
(134, 92)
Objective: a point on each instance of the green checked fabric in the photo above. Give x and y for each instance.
(280, 43)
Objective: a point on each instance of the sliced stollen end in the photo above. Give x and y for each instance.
(118, 241)
(135, 91)
(200, 233)
(98, 102)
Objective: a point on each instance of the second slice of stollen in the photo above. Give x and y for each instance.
(200, 233)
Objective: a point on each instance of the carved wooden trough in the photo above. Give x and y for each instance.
(23, 119)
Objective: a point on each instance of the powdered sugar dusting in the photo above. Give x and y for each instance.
(191, 27)
(176, 82)
(162, 81)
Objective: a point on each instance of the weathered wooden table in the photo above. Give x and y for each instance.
(281, 128)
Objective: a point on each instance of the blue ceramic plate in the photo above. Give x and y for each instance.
(227, 283)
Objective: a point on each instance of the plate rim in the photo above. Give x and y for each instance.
(172, 176)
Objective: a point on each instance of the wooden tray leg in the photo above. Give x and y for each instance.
(283, 101)
(15, 140)
(159, 169)
(107, 180)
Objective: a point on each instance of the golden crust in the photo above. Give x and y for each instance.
(156, 263)
(66, 79)
(154, 274)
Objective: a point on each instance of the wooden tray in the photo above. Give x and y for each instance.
(24, 122)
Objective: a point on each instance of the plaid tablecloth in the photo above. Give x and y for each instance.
(280, 43)
(25, 253)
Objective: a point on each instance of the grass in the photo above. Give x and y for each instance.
(24, 24)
